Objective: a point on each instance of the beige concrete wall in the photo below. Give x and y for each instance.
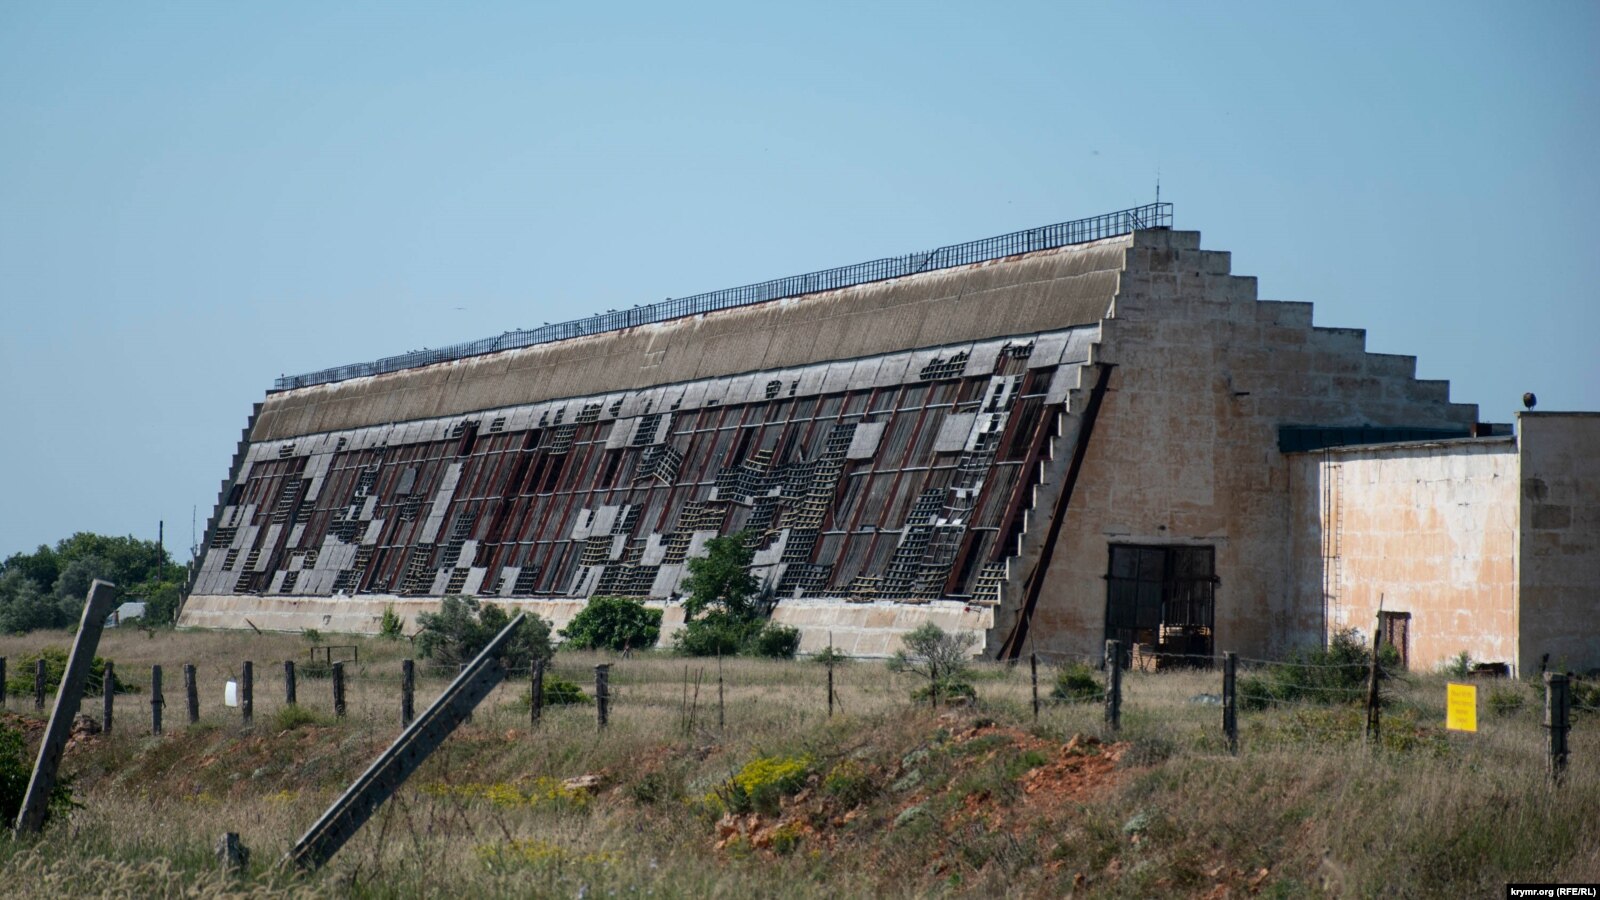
(1427, 529)
(856, 629)
(1559, 590)
(1185, 448)
(1040, 291)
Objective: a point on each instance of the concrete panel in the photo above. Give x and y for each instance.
(864, 443)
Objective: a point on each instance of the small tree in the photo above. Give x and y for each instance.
(613, 623)
(721, 579)
(391, 627)
(940, 656)
(463, 627)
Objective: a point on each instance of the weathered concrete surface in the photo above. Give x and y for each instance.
(1428, 529)
(1558, 547)
(1185, 448)
(1035, 292)
(856, 629)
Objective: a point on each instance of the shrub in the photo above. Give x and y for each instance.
(463, 627)
(55, 665)
(391, 626)
(614, 623)
(1336, 673)
(1077, 683)
(941, 657)
(850, 783)
(762, 783)
(289, 718)
(1458, 666)
(945, 690)
(829, 656)
(776, 642)
(716, 634)
(15, 770)
(1504, 701)
(558, 691)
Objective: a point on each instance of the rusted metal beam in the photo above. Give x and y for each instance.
(102, 594)
(390, 770)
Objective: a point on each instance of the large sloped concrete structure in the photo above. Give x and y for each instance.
(1046, 438)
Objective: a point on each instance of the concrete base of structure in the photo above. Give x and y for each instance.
(854, 629)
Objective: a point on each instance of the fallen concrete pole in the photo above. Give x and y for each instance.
(68, 694)
(390, 770)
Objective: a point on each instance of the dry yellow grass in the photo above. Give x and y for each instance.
(1429, 814)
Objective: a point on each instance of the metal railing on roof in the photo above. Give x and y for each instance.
(1152, 215)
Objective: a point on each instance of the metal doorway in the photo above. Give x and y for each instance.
(1161, 600)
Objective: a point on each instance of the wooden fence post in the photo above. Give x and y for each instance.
(408, 691)
(288, 683)
(830, 674)
(338, 689)
(38, 684)
(1114, 685)
(2, 682)
(156, 700)
(602, 693)
(247, 693)
(1557, 718)
(536, 694)
(1230, 700)
(191, 691)
(108, 693)
(1033, 672)
(722, 720)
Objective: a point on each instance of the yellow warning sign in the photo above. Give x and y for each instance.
(1461, 707)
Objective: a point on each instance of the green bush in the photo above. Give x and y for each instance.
(1504, 701)
(829, 656)
(614, 623)
(1458, 666)
(1077, 683)
(776, 642)
(944, 658)
(289, 718)
(763, 783)
(391, 626)
(20, 680)
(1336, 673)
(716, 634)
(463, 627)
(15, 770)
(558, 691)
(850, 783)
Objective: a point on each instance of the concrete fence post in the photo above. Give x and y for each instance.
(288, 683)
(338, 689)
(156, 700)
(38, 684)
(108, 694)
(191, 692)
(2, 682)
(1230, 700)
(1033, 675)
(602, 693)
(408, 691)
(536, 693)
(247, 693)
(1114, 685)
(1557, 719)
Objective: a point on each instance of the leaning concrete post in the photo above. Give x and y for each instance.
(37, 800)
(108, 695)
(1557, 718)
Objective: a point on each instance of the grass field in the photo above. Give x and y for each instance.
(883, 799)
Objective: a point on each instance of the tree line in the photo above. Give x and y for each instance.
(47, 588)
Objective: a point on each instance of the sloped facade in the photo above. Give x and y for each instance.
(1047, 448)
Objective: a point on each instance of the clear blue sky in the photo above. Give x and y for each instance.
(198, 197)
